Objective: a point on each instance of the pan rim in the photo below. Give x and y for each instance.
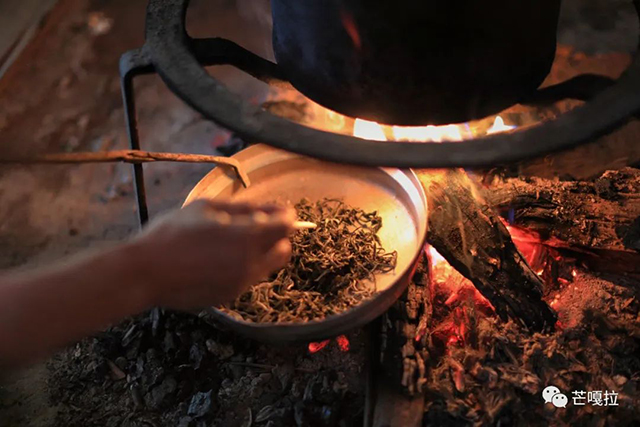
(335, 324)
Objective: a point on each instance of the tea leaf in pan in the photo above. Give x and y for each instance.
(332, 267)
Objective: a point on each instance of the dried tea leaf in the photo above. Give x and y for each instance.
(332, 267)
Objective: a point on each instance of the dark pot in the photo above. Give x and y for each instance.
(415, 62)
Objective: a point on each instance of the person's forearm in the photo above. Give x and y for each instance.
(44, 310)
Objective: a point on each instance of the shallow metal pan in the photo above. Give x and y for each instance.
(285, 178)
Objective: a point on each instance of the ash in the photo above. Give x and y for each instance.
(495, 375)
(184, 372)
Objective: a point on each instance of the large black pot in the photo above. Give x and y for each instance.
(415, 61)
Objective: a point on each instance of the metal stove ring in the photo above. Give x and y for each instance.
(177, 59)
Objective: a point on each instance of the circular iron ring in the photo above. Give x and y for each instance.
(167, 44)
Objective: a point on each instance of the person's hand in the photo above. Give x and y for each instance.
(210, 252)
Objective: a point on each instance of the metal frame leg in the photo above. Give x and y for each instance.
(132, 64)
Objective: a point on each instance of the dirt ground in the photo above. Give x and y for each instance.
(63, 94)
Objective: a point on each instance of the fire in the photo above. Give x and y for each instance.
(499, 126)
(461, 299)
(429, 133)
(343, 343)
(315, 347)
(447, 133)
(368, 130)
(342, 340)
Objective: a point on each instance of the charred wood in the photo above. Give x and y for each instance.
(399, 392)
(403, 353)
(599, 219)
(470, 235)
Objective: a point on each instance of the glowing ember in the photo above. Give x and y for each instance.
(459, 289)
(342, 340)
(315, 347)
(531, 247)
(343, 343)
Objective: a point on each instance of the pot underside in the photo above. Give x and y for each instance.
(415, 63)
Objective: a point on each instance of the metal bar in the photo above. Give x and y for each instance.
(372, 347)
(218, 51)
(135, 63)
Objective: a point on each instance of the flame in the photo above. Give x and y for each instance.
(311, 114)
(499, 126)
(375, 132)
(429, 133)
(458, 288)
(435, 256)
(450, 133)
(368, 130)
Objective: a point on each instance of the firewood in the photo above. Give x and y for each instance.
(599, 220)
(399, 392)
(469, 234)
(404, 334)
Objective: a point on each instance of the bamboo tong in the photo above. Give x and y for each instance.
(225, 218)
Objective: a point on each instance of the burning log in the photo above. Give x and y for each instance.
(467, 232)
(599, 220)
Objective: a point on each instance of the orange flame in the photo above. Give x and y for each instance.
(447, 133)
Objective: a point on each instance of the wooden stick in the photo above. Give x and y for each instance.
(304, 225)
(130, 156)
(222, 217)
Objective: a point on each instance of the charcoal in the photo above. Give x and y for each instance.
(136, 396)
(160, 394)
(121, 363)
(221, 351)
(248, 419)
(195, 355)
(200, 404)
(284, 373)
(299, 415)
(132, 334)
(169, 342)
(265, 414)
